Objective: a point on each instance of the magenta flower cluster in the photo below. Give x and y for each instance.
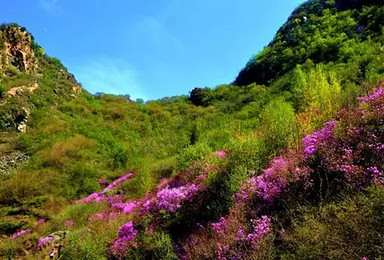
(261, 228)
(315, 140)
(20, 233)
(243, 241)
(375, 175)
(44, 241)
(222, 251)
(100, 197)
(40, 222)
(126, 234)
(125, 208)
(377, 94)
(69, 223)
(269, 184)
(118, 181)
(170, 199)
(220, 227)
(221, 154)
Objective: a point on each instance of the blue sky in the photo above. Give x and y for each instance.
(154, 48)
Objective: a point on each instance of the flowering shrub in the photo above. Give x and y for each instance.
(125, 208)
(40, 222)
(170, 199)
(20, 233)
(126, 234)
(269, 184)
(313, 141)
(330, 163)
(100, 197)
(221, 154)
(220, 227)
(69, 223)
(118, 181)
(243, 243)
(377, 94)
(44, 241)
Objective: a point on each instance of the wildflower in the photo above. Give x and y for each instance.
(313, 141)
(128, 230)
(261, 228)
(20, 233)
(69, 223)
(376, 175)
(44, 240)
(40, 222)
(125, 208)
(98, 216)
(221, 154)
(240, 236)
(117, 182)
(377, 94)
(221, 251)
(220, 227)
(170, 199)
(119, 247)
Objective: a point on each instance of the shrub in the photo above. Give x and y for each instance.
(63, 153)
(157, 246)
(278, 124)
(192, 153)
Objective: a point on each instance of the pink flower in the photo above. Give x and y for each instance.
(220, 227)
(43, 241)
(221, 154)
(313, 141)
(118, 181)
(40, 222)
(170, 199)
(269, 184)
(69, 223)
(377, 94)
(20, 233)
(98, 216)
(125, 208)
(119, 247)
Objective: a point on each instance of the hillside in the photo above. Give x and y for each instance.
(285, 163)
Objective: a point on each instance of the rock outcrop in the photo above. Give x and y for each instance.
(17, 50)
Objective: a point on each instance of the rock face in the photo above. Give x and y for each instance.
(17, 90)
(16, 49)
(12, 161)
(29, 79)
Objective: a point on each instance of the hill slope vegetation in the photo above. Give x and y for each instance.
(285, 163)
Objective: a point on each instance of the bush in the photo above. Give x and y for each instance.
(192, 153)
(278, 124)
(157, 246)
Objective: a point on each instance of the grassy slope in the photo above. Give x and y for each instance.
(322, 64)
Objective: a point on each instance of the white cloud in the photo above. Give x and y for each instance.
(50, 6)
(103, 74)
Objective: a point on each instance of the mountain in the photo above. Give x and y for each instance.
(29, 79)
(285, 163)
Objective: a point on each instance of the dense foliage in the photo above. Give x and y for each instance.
(286, 163)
